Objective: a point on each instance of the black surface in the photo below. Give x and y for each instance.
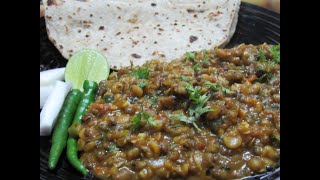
(255, 26)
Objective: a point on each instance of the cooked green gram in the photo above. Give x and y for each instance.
(213, 114)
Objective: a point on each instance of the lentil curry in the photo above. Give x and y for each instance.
(211, 114)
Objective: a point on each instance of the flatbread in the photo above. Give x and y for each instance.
(140, 30)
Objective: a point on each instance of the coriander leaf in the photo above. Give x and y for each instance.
(176, 125)
(142, 84)
(265, 77)
(149, 119)
(275, 52)
(194, 92)
(203, 53)
(141, 73)
(184, 78)
(136, 120)
(190, 55)
(112, 148)
(217, 87)
(198, 111)
(211, 85)
(190, 120)
(196, 126)
(261, 56)
(131, 64)
(154, 99)
(225, 90)
(196, 67)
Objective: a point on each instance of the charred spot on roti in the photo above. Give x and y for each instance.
(135, 42)
(155, 42)
(118, 8)
(105, 49)
(60, 46)
(60, 18)
(153, 4)
(144, 36)
(79, 31)
(156, 13)
(118, 33)
(54, 2)
(119, 17)
(66, 28)
(101, 28)
(195, 16)
(192, 38)
(190, 10)
(160, 29)
(137, 56)
(159, 34)
(78, 9)
(87, 35)
(49, 17)
(70, 51)
(133, 20)
(91, 15)
(175, 24)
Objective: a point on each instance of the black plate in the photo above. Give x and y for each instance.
(255, 26)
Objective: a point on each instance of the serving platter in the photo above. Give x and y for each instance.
(256, 25)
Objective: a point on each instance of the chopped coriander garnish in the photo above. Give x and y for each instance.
(261, 56)
(183, 118)
(196, 67)
(265, 77)
(203, 53)
(176, 125)
(141, 73)
(112, 148)
(136, 120)
(196, 109)
(154, 99)
(190, 55)
(131, 65)
(275, 52)
(217, 87)
(149, 119)
(184, 78)
(142, 84)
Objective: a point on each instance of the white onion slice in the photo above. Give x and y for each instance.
(52, 106)
(50, 76)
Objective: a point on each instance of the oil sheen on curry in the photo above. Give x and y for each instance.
(212, 114)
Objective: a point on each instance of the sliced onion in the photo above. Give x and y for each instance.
(50, 76)
(52, 107)
(44, 93)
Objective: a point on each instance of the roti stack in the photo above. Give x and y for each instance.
(140, 30)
